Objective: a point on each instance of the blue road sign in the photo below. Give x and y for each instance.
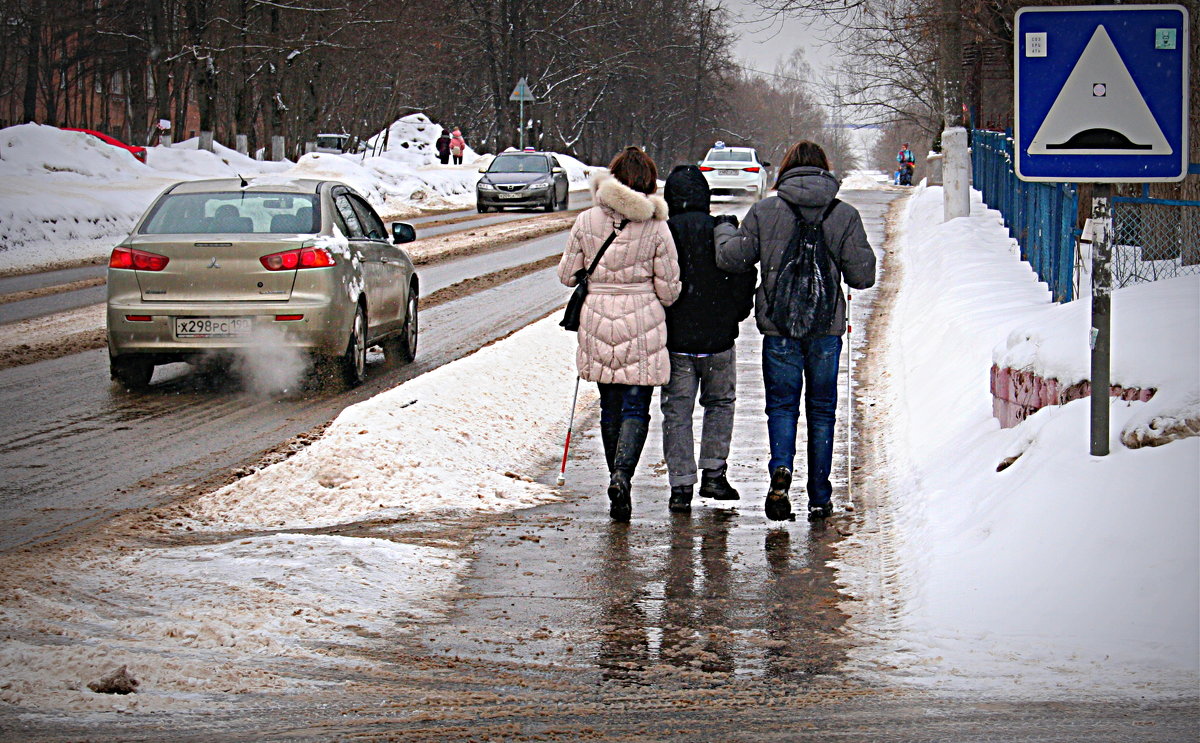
(1101, 93)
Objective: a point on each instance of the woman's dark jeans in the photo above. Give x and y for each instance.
(624, 423)
(787, 365)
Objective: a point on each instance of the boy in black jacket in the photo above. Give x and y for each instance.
(702, 326)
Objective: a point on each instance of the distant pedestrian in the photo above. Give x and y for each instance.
(701, 329)
(623, 326)
(457, 146)
(907, 164)
(443, 147)
(829, 232)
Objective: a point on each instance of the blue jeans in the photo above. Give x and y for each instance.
(787, 364)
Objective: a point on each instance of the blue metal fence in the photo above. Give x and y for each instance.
(1040, 216)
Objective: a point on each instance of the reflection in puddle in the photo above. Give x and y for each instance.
(698, 602)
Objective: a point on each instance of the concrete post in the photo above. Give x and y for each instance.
(276, 148)
(164, 139)
(310, 147)
(206, 141)
(956, 173)
(242, 144)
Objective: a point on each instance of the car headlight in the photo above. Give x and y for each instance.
(486, 187)
(542, 184)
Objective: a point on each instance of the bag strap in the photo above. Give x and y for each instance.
(604, 247)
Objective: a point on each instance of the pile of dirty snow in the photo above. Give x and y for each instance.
(466, 436)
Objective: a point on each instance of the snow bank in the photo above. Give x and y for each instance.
(68, 197)
(463, 437)
(1062, 572)
(865, 179)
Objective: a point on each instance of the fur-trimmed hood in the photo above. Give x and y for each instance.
(610, 193)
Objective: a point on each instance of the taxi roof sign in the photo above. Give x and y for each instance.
(1101, 93)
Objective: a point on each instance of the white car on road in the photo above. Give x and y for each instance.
(735, 171)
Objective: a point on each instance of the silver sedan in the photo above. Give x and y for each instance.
(221, 266)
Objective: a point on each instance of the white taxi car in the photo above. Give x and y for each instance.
(735, 171)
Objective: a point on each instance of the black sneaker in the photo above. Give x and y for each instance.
(717, 488)
(778, 507)
(620, 505)
(823, 511)
(681, 499)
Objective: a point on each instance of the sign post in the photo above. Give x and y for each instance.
(1101, 97)
(521, 93)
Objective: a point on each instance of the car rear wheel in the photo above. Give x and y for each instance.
(352, 365)
(402, 348)
(132, 372)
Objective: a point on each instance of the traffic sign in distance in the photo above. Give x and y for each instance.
(521, 92)
(1101, 93)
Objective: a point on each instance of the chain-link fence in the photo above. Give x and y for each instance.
(1154, 239)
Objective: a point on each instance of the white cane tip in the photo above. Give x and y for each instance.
(561, 480)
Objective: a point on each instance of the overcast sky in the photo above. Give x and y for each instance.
(765, 42)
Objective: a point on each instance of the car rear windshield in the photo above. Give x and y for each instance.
(726, 156)
(519, 164)
(236, 212)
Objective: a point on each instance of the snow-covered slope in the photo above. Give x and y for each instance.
(1061, 571)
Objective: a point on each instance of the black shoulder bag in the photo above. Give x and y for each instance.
(570, 319)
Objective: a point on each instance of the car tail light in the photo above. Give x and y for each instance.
(290, 260)
(705, 168)
(138, 318)
(288, 318)
(754, 169)
(138, 260)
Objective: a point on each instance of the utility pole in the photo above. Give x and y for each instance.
(956, 168)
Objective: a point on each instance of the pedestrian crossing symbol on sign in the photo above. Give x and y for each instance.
(1100, 95)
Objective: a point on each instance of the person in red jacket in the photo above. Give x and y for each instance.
(457, 146)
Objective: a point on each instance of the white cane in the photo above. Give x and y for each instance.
(562, 473)
(849, 405)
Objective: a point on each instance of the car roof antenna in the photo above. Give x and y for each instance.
(243, 180)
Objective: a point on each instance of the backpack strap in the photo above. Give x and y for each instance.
(824, 215)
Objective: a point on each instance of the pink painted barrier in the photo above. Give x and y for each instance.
(1017, 394)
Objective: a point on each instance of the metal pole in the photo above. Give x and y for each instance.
(849, 404)
(522, 122)
(1101, 315)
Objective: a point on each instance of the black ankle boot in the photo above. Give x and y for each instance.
(717, 488)
(620, 505)
(778, 507)
(681, 499)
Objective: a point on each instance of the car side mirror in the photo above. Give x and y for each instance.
(766, 164)
(483, 167)
(557, 171)
(403, 232)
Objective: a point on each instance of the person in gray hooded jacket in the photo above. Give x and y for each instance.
(804, 186)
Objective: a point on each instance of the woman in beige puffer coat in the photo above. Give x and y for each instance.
(623, 326)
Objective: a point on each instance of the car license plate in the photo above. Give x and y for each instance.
(212, 327)
(727, 172)
(511, 195)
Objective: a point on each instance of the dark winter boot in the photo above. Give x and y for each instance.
(681, 499)
(823, 511)
(630, 440)
(779, 508)
(609, 432)
(717, 487)
(620, 505)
